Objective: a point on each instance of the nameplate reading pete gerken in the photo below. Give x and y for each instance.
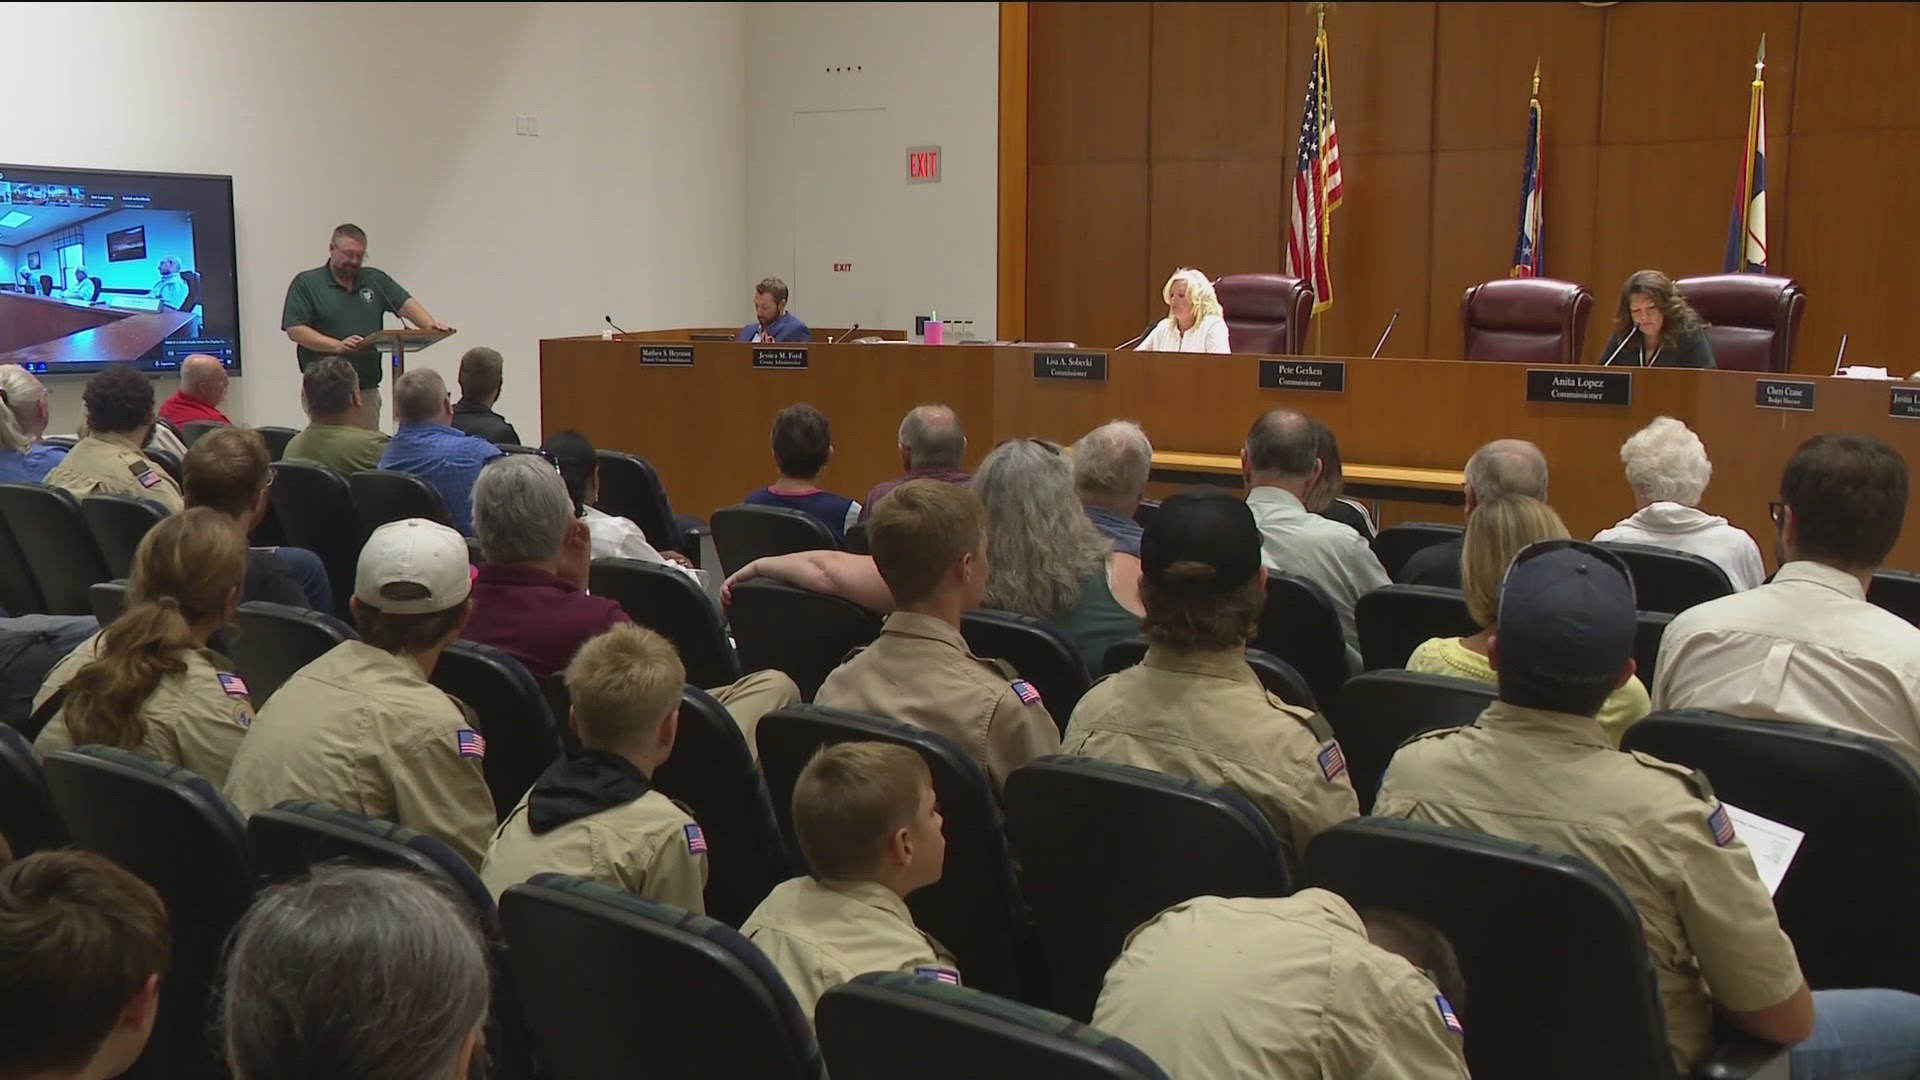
(1580, 386)
(1328, 376)
(1084, 366)
(779, 357)
(666, 355)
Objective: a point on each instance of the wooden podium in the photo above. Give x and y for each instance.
(400, 342)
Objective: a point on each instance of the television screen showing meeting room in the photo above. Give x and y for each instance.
(157, 254)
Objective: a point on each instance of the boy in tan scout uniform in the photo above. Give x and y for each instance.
(1193, 708)
(868, 825)
(361, 728)
(596, 815)
(119, 409)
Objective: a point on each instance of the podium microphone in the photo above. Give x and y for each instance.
(1616, 350)
(1137, 338)
(1383, 335)
(843, 337)
(611, 323)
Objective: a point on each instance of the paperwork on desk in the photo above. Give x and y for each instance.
(1772, 844)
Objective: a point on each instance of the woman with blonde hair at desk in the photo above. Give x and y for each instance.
(1193, 322)
(24, 459)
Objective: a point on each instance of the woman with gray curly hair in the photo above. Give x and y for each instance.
(1668, 470)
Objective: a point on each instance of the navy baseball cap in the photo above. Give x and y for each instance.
(1567, 615)
(1206, 525)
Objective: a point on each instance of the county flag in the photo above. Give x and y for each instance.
(1747, 232)
(1529, 249)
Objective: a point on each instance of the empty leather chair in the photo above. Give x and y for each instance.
(191, 431)
(58, 547)
(1525, 320)
(1668, 580)
(272, 641)
(277, 439)
(870, 1025)
(28, 820)
(118, 524)
(804, 634)
(1379, 710)
(616, 985)
(1395, 544)
(1301, 626)
(673, 605)
(170, 828)
(1846, 901)
(1265, 313)
(19, 591)
(510, 709)
(1752, 319)
(744, 533)
(1274, 673)
(631, 488)
(383, 495)
(1042, 655)
(1105, 847)
(975, 910)
(1898, 591)
(315, 509)
(1394, 620)
(108, 600)
(1649, 628)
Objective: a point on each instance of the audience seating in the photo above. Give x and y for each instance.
(1104, 847)
(118, 524)
(315, 508)
(1525, 320)
(1752, 319)
(1521, 919)
(857, 539)
(616, 985)
(882, 1018)
(1143, 513)
(804, 634)
(276, 439)
(1668, 580)
(1042, 655)
(1899, 592)
(1265, 313)
(384, 495)
(1394, 620)
(28, 820)
(191, 431)
(108, 600)
(1382, 709)
(19, 590)
(1395, 544)
(976, 909)
(744, 533)
(1301, 626)
(630, 488)
(1648, 629)
(1849, 897)
(1274, 673)
(272, 641)
(510, 709)
(169, 463)
(670, 603)
(55, 543)
(172, 829)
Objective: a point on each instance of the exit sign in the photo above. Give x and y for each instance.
(923, 164)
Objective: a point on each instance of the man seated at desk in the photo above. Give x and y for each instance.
(772, 320)
(171, 288)
(84, 290)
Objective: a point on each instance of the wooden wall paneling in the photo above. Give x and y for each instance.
(1681, 72)
(1219, 75)
(1087, 252)
(1857, 64)
(1010, 302)
(1088, 82)
(1851, 219)
(1224, 217)
(1382, 63)
(1485, 54)
(1380, 254)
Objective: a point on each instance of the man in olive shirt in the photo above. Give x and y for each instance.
(330, 309)
(333, 436)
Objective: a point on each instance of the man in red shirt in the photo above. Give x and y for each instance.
(203, 386)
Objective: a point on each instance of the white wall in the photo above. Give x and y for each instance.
(400, 118)
(932, 71)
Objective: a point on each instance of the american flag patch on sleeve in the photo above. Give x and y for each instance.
(696, 840)
(1447, 1016)
(150, 479)
(1332, 761)
(1722, 826)
(233, 685)
(1028, 695)
(471, 743)
(939, 974)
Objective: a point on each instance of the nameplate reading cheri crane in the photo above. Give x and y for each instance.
(1084, 366)
(1580, 386)
(1326, 376)
(1791, 395)
(780, 357)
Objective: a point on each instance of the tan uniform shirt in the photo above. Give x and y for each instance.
(363, 730)
(1205, 716)
(820, 934)
(1266, 988)
(644, 847)
(195, 719)
(1554, 779)
(919, 671)
(109, 464)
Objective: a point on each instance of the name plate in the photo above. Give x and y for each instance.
(1085, 366)
(666, 355)
(1904, 403)
(1783, 394)
(1328, 376)
(779, 357)
(1580, 386)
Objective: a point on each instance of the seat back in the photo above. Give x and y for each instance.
(616, 985)
(191, 431)
(118, 524)
(169, 462)
(1274, 673)
(1301, 626)
(272, 641)
(1104, 847)
(1649, 628)
(1395, 544)
(19, 589)
(383, 495)
(1379, 710)
(1265, 313)
(108, 600)
(857, 542)
(510, 709)
(630, 488)
(170, 828)
(670, 603)
(315, 508)
(56, 544)
(28, 820)
(277, 439)
(1845, 902)
(804, 634)
(1525, 320)
(192, 278)
(976, 909)
(1395, 619)
(744, 533)
(870, 1025)
(1042, 655)
(1668, 580)
(1752, 319)
(1896, 590)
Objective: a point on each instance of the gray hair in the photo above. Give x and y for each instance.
(933, 438)
(22, 394)
(166, 262)
(1282, 442)
(1040, 545)
(1507, 467)
(1111, 463)
(197, 371)
(373, 974)
(1666, 462)
(419, 394)
(521, 509)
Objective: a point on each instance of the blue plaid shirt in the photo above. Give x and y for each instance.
(445, 457)
(1123, 531)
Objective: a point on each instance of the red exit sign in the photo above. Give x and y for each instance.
(923, 164)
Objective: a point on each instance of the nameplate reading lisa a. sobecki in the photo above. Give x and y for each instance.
(1326, 376)
(1791, 395)
(666, 355)
(1578, 386)
(1904, 403)
(779, 357)
(1084, 366)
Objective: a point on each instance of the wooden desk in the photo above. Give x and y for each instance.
(1402, 484)
(40, 329)
(729, 333)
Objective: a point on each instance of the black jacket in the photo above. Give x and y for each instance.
(1691, 350)
(476, 419)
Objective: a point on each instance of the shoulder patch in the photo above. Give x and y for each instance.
(1696, 780)
(1436, 733)
(470, 743)
(150, 479)
(1448, 1017)
(1332, 761)
(233, 685)
(1025, 692)
(1720, 825)
(244, 717)
(1316, 723)
(1007, 671)
(938, 974)
(138, 467)
(696, 840)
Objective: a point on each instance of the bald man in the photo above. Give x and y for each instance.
(203, 386)
(932, 444)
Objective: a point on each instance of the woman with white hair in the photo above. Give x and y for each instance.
(1668, 470)
(1193, 322)
(24, 409)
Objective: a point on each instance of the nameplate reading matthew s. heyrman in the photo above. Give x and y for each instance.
(1580, 386)
(1904, 403)
(1329, 376)
(782, 357)
(666, 355)
(1782, 394)
(1085, 366)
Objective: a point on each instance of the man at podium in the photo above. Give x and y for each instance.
(331, 308)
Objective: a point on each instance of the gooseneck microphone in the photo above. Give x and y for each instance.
(1137, 338)
(1383, 335)
(611, 323)
(1617, 350)
(845, 336)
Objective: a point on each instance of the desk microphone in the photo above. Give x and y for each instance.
(1617, 349)
(1383, 335)
(1137, 338)
(1842, 358)
(845, 336)
(611, 323)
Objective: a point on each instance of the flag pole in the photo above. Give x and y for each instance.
(1753, 118)
(1319, 31)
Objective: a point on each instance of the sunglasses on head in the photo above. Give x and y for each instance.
(1533, 551)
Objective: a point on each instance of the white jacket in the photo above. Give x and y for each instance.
(1689, 529)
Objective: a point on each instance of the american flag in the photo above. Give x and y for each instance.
(470, 743)
(696, 840)
(1317, 185)
(1529, 249)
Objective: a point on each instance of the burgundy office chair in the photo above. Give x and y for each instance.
(1752, 319)
(1525, 321)
(1265, 313)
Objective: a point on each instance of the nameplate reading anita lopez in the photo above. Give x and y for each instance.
(780, 357)
(1329, 376)
(1580, 386)
(1084, 366)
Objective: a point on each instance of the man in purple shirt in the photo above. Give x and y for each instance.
(771, 319)
(427, 444)
(932, 445)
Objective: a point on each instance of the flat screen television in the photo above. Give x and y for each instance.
(157, 250)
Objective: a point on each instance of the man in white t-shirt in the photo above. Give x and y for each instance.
(612, 536)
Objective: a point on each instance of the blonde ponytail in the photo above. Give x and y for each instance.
(20, 395)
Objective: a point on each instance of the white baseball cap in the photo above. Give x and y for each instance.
(413, 567)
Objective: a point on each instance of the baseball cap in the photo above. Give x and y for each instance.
(413, 567)
(1567, 615)
(1206, 525)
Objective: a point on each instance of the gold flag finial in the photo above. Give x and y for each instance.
(1760, 58)
(1536, 76)
(1319, 8)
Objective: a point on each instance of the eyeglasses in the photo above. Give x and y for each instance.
(1777, 510)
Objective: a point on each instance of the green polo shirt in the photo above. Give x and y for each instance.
(315, 299)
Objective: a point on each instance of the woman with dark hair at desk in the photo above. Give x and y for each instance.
(1665, 329)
